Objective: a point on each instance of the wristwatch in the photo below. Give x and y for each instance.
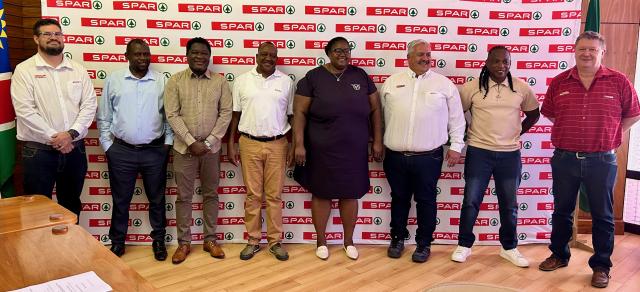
(73, 133)
(207, 144)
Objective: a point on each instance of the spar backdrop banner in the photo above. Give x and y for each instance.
(539, 33)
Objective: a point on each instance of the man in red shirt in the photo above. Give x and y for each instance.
(590, 107)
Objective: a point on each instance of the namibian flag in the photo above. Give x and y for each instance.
(7, 115)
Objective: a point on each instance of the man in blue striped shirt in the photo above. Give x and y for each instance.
(136, 138)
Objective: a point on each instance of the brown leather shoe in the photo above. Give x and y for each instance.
(553, 263)
(214, 249)
(181, 253)
(600, 278)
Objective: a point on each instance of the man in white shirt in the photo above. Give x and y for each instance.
(422, 111)
(55, 104)
(262, 103)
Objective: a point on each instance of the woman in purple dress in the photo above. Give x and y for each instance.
(335, 107)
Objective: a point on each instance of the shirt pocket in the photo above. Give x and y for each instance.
(435, 100)
(74, 91)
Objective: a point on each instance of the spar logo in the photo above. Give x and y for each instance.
(234, 60)
(81, 39)
(65, 21)
(376, 235)
(237, 26)
(378, 79)
(458, 80)
(470, 64)
(445, 235)
(363, 62)
(200, 8)
(545, 206)
(390, 46)
(103, 57)
(91, 141)
(534, 191)
(296, 220)
(296, 61)
(173, 24)
(417, 29)
(229, 205)
(166, 74)
(107, 22)
(299, 27)
(376, 173)
(482, 31)
(392, 11)
(280, 44)
(478, 222)
(546, 145)
(517, 48)
(532, 81)
(268, 9)
(92, 174)
(214, 43)
(458, 191)
(526, 145)
(76, 4)
(151, 41)
(328, 235)
(320, 61)
(232, 190)
(95, 207)
(533, 221)
(441, 63)
(535, 160)
(139, 5)
(538, 65)
(453, 47)
(542, 32)
(230, 77)
(525, 175)
(372, 205)
(545, 175)
(448, 206)
(327, 10)
(566, 14)
(231, 221)
(515, 15)
(293, 77)
(315, 45)
(360, 28)
(451, 13)
(523, 206)
(562, 48)
(540, 129)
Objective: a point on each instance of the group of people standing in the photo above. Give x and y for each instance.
(414, 123)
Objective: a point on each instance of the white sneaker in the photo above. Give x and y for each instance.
(515, 257)
(322, 252)
(460, 254)
(351, 252)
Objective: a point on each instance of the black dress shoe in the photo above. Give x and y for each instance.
(421, 254)
(159, 250)
(395, 248)
(117, 249)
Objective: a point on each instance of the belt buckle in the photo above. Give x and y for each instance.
(580, 157)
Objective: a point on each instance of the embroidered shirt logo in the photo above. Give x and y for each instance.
(356, 87)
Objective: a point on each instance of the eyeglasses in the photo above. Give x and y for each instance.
(341, 51)
(49, 34)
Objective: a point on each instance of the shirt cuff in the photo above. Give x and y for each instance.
(168, 139)
(457, 147)
(189, 140)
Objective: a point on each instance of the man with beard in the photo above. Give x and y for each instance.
(422, 111)
(198, 106)
(495, 100)
(55, 104)
(262, 100)
(136, 137)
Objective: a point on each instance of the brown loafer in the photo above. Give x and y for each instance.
(213, 249)
(600, 278)
(181, 253)
(553, 263)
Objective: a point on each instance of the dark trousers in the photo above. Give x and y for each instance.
(413, 176)
(505, 167)
(45, 167)
(597, 172)
(124, 165)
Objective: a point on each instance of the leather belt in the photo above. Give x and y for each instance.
(262, 139)
(36, 145)
(155, 143)
(583, 155)
(418, 153)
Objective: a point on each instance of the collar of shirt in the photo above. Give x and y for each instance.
(149, 76)
(602, 71)
(416, 76)
(41, 63)
(504, 83)
(276, 73)
(207, 74)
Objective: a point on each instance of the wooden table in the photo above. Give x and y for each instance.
(36, 256)
(29, 212)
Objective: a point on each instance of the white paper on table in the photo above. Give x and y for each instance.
(88, 281)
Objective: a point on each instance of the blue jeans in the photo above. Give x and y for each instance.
(597, 172)
(413, 176)
(45, 167)
(505, 167)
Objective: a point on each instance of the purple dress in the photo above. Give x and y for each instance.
(337, 133)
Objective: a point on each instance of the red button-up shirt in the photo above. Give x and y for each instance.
(589, 120)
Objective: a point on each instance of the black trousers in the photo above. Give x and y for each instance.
(124, 165)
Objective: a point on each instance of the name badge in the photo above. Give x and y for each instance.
(400, 86)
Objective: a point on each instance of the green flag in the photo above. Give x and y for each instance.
(592, 24)
(7, 115)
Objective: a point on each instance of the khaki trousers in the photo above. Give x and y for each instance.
(263, 166)
(186, 167)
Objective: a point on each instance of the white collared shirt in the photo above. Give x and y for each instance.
(264, 103)
(421, 113)
(50, 100)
